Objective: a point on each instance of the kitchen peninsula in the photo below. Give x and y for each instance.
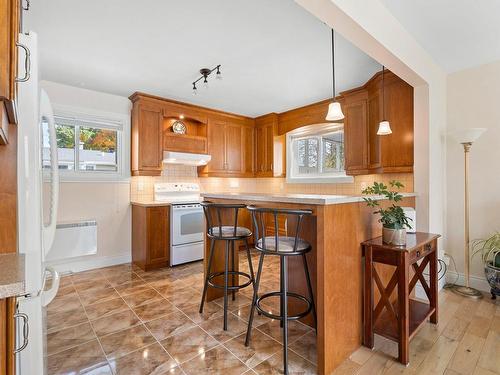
(335, 230)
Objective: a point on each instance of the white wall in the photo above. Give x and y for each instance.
(473, 96)
(105, 201)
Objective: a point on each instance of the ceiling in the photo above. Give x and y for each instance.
(458, 34)
(274, 55)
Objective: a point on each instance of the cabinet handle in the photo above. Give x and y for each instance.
(271, 166)
(428, 247)
(27, 63)
(27, 2)
(26, 330)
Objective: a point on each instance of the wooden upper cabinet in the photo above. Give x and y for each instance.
(146, 144)
(234, 148)
(216, 146)
(366, 152)
(355, 132)
(266, 128)
(9, 30)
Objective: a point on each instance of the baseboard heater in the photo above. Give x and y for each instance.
(74, 239)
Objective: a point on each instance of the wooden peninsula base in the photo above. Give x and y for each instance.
(335, 230)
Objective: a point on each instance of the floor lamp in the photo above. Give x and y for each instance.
(466, 137)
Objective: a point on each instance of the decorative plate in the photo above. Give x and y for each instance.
(179, 127)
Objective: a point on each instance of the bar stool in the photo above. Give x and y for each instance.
(284, 247)
(217, 231)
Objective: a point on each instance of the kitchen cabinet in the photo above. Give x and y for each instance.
(9, 29)
(150, 236)
(266, 129)
(231, 145)
(365, 151)
(7, 336)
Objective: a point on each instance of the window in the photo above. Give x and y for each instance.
(84, 146)
(316, 152)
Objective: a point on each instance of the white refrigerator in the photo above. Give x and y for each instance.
(38, 191)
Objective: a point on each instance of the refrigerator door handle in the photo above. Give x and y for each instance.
(50, 229)
(26, 331)
(48, 295)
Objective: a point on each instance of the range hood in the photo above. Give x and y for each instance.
(185, 158)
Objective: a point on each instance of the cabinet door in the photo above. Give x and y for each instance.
(248, 150)
(216, 146)
(374, 118)
(268, 167)
(355, 135)
(260, 149)
(7, 336)
(150, 138)
(234, 148)
(158, 235)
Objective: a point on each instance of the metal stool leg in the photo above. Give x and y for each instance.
(205, 285)
(233, 268)
(254, 299)
(284, 272)
(281, 290)
(226, 265)
(250, 265)
(310, 290)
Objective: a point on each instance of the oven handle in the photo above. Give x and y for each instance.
(183, 207)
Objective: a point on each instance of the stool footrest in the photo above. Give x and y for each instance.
(279, 317)
(230, 273)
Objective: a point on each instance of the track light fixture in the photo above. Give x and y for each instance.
(205, 72)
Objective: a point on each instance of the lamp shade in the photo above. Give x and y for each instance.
(334, 112)
(467, 135)
(384, 128)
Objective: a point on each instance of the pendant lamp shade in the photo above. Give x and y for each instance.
(334, 109)
(384, 128)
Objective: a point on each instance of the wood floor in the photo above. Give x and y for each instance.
(466, 341)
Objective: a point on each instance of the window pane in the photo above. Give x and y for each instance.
(307, 155)
(65, 135)
(97, 149)
(333, 153)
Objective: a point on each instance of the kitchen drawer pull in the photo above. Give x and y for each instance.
(26, 331)
(428, 247)
(27, 63)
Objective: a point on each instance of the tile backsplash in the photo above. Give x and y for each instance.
(141, 188)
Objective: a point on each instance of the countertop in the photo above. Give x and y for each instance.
(149, 203)
(314, 199)
(11, 275)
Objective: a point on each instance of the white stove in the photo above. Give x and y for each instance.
(187, 224)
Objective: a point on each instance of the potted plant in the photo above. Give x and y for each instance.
(393, 218)
(489, 249)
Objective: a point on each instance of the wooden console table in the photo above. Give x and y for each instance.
(399, 318)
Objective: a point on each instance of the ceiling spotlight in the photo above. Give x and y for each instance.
(205, 72)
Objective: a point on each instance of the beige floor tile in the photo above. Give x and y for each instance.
(296, 365)
(122, 278)
(215, 361)
(151, 360)
(63, 304)
(143, 298)
(116, 322)
(88, 285)
(83, 359)
(244, 314)
(185, 297)
(169, 289)
(210, 311)
(295, 330)
(214, 327)
(57, 321)
(132, 287)
(90, 297)
(169, 325)
(124, 342)
(490, 356)
(188, 344)
(67, 338)
(306, 347)
(261, 348)
(102, 309)
(240, 301)
(467, 354)
(154, 310)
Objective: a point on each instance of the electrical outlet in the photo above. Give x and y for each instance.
(140, 186)
(364, 185)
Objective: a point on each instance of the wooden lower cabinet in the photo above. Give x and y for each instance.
(150, 236)
(7, 336)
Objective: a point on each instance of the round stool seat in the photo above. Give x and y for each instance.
(285, 245)
(228, 232)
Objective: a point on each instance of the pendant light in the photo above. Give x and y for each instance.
(384, 128)
(334, 110)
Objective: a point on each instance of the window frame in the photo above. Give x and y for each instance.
(100, 120)
(313, 131)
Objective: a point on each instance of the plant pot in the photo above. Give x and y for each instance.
(493, 276)
(396, 237)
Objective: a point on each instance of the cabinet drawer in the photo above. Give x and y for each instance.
(422, 251)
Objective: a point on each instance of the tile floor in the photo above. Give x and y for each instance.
(121, 320)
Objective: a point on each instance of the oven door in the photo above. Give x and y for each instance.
(187, 224)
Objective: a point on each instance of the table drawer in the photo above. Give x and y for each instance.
(422, 251)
